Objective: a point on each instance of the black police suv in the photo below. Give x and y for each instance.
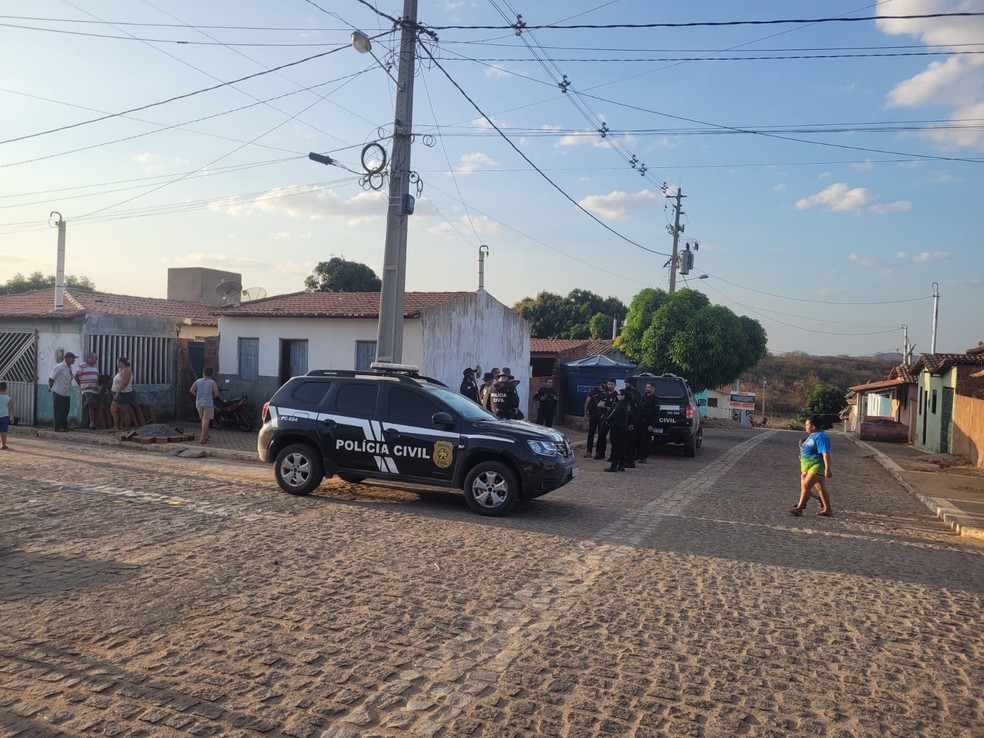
(676, 418)
(392, 423)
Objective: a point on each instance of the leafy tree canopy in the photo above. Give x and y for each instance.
(825, 401)
(339, 275)
(582, 314)
(685, 334)
(39, 281)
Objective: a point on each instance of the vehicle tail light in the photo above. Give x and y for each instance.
(265, 412)
(690, 412)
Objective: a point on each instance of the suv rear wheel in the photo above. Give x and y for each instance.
(298, 469)
(491, 488)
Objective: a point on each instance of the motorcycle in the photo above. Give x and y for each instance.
(237, 411)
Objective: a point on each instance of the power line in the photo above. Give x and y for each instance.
(535, 167)
(787, 57)
(822, 302)
(174, 98)
(520, 27)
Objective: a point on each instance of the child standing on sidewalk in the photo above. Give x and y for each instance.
(6, 413)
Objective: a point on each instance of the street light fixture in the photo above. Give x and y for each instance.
(361, 42)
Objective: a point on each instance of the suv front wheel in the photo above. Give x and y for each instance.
(491, 488)
(298, 469)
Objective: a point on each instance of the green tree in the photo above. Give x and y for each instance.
(685, 334)
(574, 316)
(600, 326)
(824, 401)
(339, 275)
(39, 281)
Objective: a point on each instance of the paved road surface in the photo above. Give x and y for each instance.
(144, 595)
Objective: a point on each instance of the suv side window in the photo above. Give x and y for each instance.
(357, 399)
(407, 406)
(310, 393)
(667, 388)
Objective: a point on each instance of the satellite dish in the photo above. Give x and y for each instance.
(255, 293)
(227, 289)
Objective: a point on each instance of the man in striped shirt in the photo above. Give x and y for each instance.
(87, 375)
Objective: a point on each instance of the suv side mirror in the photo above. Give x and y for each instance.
(442, 418)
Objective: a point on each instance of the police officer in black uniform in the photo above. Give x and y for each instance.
(547, 397)
(644, 426)
(629, 439)
(504, 398)
(606, 401)
(468, 386)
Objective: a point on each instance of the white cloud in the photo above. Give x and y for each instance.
(484, 226)
(899, 206)
(212, 258)
(824, 291)
(291, 236)
(901, 255)
(838, 197)
(496, 71)
(955, 82)
(593, 138)
(862, 260)
(469, 163)
(931, 256)
(619, 205)
(781, 187)
(865, 166)
(311, 203)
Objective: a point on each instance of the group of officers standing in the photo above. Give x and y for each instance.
(625, 417)
(498, 395)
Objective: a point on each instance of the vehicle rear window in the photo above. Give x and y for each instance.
(356, 399)
(669, 388)
(310, 393)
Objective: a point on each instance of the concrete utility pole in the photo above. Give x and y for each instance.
(60, 262)
(677, 229)
(483, 251)
(936, 315)
(392, 297)
(906, 351)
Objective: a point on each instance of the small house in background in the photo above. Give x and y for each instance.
(34, 337)
(884, 410)
(265, 342)
(949, 414)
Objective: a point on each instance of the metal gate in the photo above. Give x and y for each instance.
(19, 369)
(946, 420)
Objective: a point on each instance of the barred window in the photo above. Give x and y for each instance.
(151, 359)
(249, 358)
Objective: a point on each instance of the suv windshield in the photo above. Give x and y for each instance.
(462, 405)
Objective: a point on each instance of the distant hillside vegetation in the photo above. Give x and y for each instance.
(790, 376)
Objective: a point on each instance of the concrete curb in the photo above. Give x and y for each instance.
(939, 507)
(85, 438)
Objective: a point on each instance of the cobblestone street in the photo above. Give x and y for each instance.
(150, 595)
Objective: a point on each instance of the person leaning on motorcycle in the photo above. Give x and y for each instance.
(206, 392)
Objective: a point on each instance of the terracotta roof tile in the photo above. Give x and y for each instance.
(336, 305)
(939, 363)
(555, 345)
(39, 304)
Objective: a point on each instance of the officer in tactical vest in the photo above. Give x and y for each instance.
(468, 387)
(504, 398)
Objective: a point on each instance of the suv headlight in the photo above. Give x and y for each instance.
(544, 448)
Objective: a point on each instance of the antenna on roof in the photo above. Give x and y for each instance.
(229, 291)
(254, 293)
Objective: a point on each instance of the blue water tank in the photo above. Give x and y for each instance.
(583, 375)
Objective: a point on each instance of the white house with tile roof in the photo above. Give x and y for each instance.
(265, 342)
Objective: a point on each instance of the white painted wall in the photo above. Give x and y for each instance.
(331, 341)
(476, 330)
(51, 350)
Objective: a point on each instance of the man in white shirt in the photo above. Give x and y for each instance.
(60, 385)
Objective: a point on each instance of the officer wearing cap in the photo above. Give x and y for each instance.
(485, 391)
(504, 398)
(468, 387)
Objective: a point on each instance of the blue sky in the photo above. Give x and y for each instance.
(827, 195)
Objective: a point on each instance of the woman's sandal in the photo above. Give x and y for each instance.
(797, 511)
(825, 514)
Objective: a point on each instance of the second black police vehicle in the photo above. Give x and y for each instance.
(392, 423)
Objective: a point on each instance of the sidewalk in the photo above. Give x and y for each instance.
(953, 493)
